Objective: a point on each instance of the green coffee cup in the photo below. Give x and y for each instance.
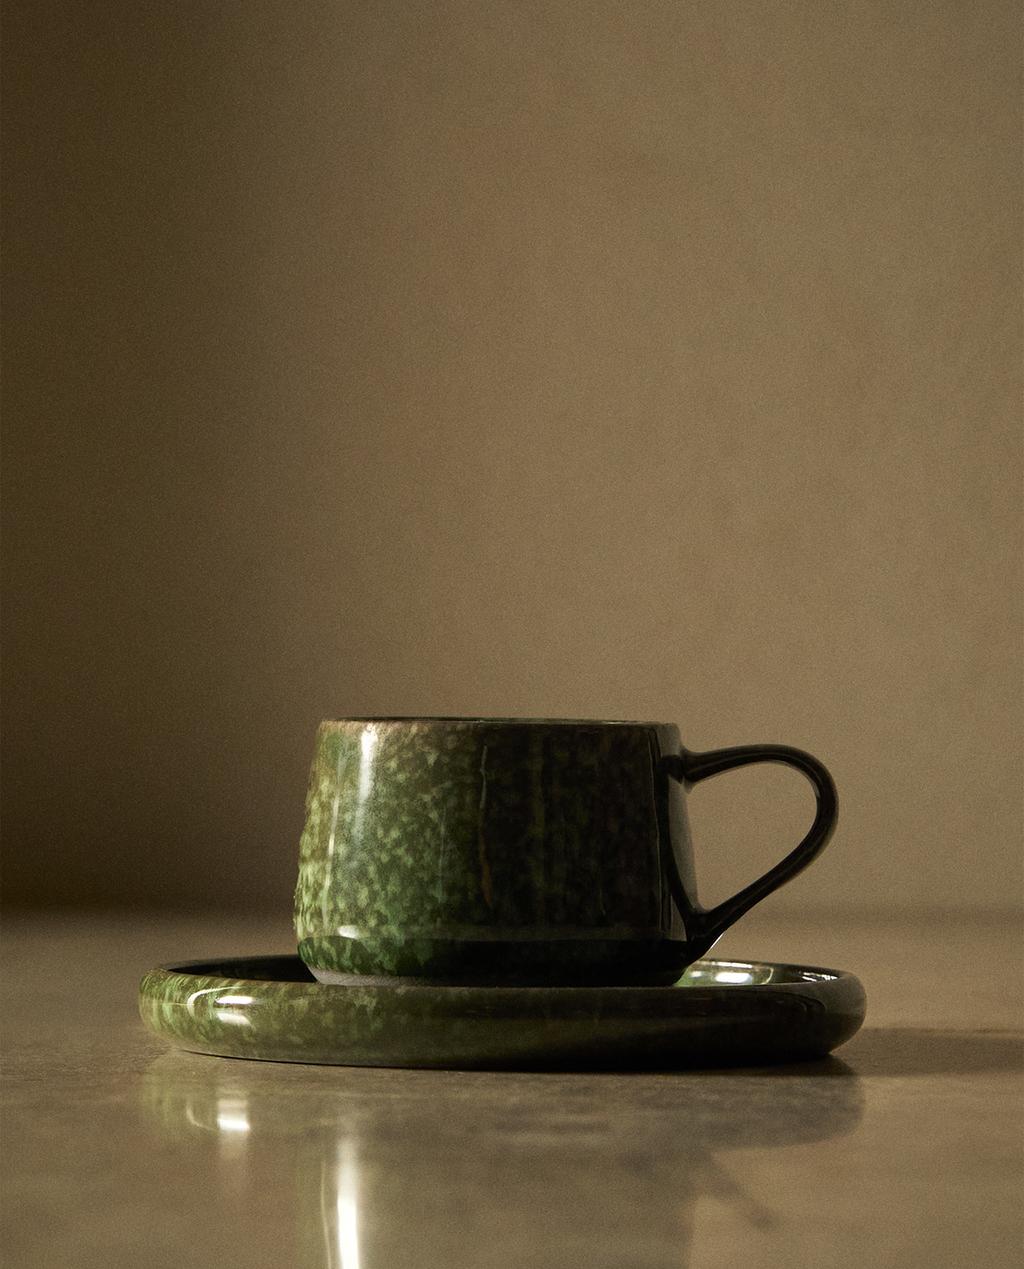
(515, 851)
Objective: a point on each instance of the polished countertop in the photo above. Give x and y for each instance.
(905, 1148)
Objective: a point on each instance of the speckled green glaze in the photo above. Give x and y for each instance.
(472, 850)
(721, 1013)
(509, 851)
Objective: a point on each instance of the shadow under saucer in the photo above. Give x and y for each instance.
(934, 1051)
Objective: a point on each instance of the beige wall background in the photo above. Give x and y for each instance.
(652, 360)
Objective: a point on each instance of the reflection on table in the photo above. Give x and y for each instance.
(390, 1169)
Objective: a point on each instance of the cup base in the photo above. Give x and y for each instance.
(585, 962)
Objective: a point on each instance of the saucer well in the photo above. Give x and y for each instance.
(720, 1013)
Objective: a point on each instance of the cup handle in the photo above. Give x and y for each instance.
(705, 926)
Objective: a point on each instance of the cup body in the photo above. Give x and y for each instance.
(497, 851)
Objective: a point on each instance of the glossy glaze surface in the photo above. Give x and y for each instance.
(722, 1012)
(515, 852)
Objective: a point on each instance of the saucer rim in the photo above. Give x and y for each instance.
(503, 1028)
(810, 975)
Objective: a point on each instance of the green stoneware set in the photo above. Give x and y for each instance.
(479, 892)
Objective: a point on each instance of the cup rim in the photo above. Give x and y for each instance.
(473, 720)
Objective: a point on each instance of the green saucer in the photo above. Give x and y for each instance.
(720, 1013)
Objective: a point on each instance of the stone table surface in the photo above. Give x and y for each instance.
(906, 1149)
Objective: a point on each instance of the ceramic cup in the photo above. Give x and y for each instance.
(469, 850)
